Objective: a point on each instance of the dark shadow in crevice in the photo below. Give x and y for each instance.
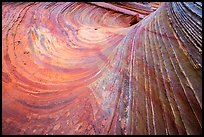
(134, 20)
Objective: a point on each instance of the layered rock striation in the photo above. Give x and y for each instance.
(102, 68)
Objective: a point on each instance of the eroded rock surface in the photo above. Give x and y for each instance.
(101, 68)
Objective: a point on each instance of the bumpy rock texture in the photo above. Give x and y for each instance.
(102, 68)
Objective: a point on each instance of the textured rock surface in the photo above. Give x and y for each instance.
(101, 68)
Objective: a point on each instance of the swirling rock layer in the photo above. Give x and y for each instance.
(101, 68)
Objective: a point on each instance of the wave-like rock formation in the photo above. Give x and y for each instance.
(102, 68)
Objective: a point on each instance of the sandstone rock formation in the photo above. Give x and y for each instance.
(102, 68)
